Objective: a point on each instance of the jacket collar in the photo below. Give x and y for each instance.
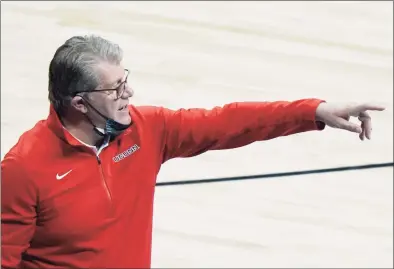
(55, 124)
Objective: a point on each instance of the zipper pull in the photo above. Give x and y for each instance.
(98, 159)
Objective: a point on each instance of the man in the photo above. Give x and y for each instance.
(78, 188)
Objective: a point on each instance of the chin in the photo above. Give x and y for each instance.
(124, 119)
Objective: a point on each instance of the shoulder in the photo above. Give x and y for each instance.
(29, 144)
(158, 114)
(146, 111)
(30, 157)
(143, 115)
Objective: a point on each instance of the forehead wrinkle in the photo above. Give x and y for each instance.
(115, 82)
(106, 84)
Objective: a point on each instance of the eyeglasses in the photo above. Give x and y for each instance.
(119, 90)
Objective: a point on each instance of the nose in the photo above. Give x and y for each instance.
(129, 92)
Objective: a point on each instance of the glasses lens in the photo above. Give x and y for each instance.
(122, 87)
(121, 90)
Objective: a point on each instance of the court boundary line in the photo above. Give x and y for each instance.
(275, 175)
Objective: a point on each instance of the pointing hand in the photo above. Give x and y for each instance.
(338, 116)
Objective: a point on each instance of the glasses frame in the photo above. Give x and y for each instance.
(119, 90)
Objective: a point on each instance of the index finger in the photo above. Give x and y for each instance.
(366, 106)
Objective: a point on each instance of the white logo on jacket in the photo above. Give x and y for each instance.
(126, 153)
(59, 177)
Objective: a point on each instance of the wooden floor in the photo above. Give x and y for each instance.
(203, 54)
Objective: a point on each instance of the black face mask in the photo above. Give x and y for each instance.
(112, 127)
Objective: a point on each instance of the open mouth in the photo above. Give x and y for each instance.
(122, 108)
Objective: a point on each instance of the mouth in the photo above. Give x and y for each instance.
(122, 108)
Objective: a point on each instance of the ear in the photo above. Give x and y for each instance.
(78, 103)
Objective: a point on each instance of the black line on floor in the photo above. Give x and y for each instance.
(274, 175)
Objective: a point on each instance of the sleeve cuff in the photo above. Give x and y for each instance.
(311, 114)
(320, 126)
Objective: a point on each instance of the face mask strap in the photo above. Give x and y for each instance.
(112, 127)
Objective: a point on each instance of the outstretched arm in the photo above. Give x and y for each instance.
(189, 132)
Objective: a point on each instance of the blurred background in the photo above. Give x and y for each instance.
(209, 53)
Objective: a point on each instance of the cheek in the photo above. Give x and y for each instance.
(111, 107)
(106, 106)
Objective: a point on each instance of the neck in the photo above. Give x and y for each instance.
(82, 130)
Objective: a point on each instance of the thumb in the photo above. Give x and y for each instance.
(347, 125)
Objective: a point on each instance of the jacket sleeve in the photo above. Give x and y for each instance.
(191, 132)
(18, 211)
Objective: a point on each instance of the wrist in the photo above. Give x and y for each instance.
(319, 112)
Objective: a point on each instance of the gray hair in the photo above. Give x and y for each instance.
(73, 67)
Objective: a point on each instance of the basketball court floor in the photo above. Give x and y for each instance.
(204, 54)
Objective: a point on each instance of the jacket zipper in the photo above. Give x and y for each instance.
(103, 179)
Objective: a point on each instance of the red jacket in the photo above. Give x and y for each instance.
(62, 206)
